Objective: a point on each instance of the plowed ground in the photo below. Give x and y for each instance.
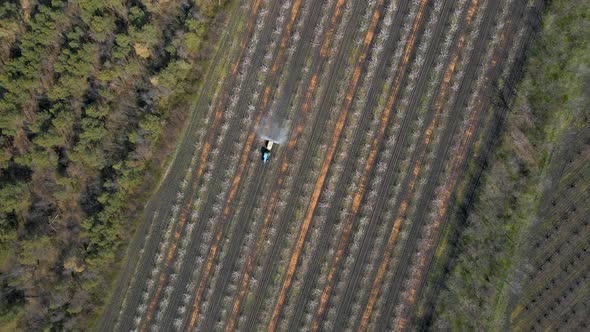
(382, 101)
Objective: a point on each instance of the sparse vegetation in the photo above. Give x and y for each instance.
(492, 267)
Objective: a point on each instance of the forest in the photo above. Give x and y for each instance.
(93, 95)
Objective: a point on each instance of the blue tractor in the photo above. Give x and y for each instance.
(266, 150)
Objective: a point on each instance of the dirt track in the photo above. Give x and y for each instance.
(219, 234)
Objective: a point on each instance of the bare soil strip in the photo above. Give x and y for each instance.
(239, 232)
(344, 177)
(243, 159)
(338, 230)
(360, 260)
(253, 312)
(166, 191)
(412, 177)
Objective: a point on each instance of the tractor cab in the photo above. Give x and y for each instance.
(265, 156)
(265, 150)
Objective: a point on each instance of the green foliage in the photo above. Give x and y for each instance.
(101, 27)
(194, 36)
(10, 28)
(137, 16)
(152, 125)
(88, 156)
(24, 159)
(97, 111)
(40, 122)
(49, 139)
(480, 281)
(122, 47)
(4, 158)
(92, 130)
(10, 317)
(85, 92)
(147, 35)
(15, 199)
(37, 251)
(62, 122)
(172, 80)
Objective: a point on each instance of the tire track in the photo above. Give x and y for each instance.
(140, 263)
(411, 181)
(472, 67)
(218, 170)
(184, 239)
(266, 97)
(245, 213)
(303, 166)
(136, 269)
(289, 251)
(388, 154)
(242, 164)
(326, 228)
(343, 310)
(326, 164)
(490, 66)
(369, 164)
(249, 265)
(444, 135)
(318, 123)
(206, 149)
(424, 318)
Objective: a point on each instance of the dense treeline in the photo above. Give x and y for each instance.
(476, 292)
(91, 95)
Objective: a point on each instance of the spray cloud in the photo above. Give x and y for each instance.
(273, 129)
